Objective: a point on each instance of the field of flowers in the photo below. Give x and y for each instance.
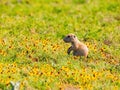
(32, 50)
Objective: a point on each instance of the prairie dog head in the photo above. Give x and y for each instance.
(70, 38)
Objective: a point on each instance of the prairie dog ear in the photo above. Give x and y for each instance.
(74, 36)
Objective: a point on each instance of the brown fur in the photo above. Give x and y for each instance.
(78, 48)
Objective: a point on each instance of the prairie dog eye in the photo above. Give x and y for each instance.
(68, 36)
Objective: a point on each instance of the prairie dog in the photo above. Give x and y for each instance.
(78, 48)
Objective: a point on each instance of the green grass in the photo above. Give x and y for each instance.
(32, 49)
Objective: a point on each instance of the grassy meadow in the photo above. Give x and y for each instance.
(32, 50)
